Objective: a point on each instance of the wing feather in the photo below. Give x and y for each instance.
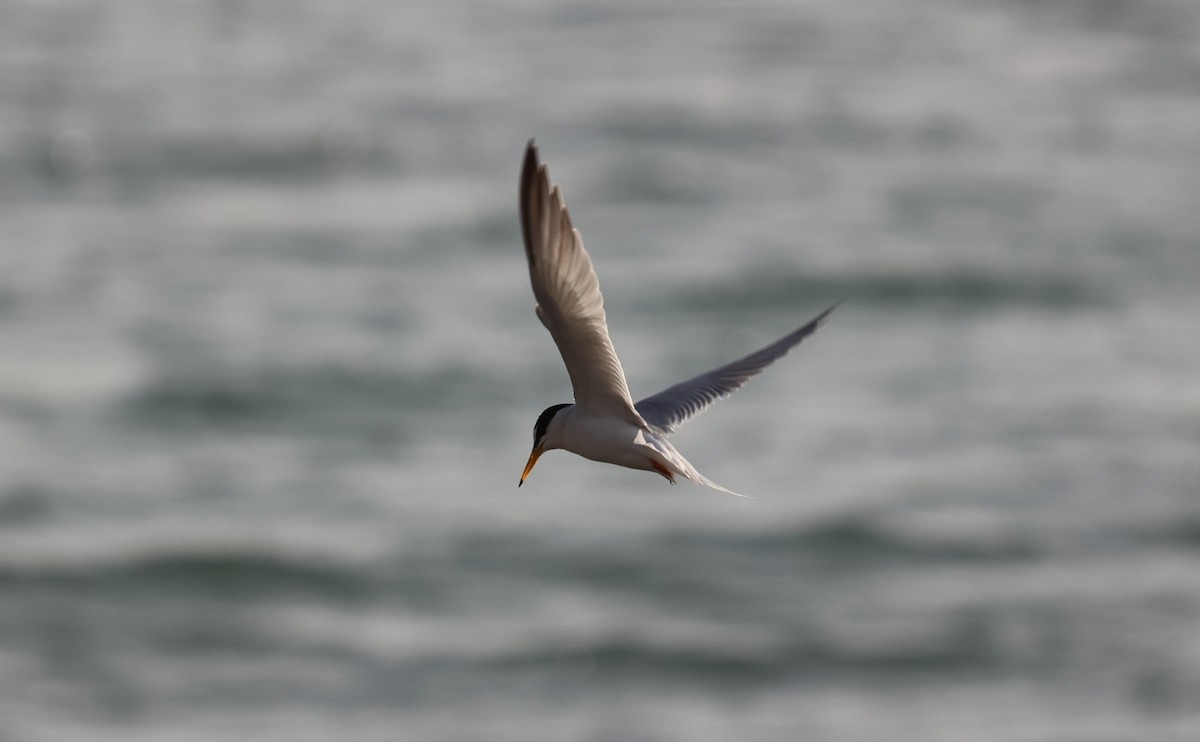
(675, 405)
(569, 302)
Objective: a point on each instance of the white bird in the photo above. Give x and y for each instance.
(604, 424)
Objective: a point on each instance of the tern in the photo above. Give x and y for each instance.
(604, 424)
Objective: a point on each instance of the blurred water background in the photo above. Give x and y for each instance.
(269, 370)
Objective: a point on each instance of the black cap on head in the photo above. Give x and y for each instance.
(543, 421)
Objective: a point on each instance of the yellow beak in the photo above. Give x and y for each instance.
(533, 457)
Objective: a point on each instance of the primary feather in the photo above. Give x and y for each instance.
(676, 404)
(569, 302)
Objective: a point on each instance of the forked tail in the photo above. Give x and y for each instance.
(681, 466)
(699, 478)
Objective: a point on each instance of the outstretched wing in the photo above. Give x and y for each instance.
(675, 405)
(568, 296)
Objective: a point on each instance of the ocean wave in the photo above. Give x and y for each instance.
(275, 156)
(321, 400)
(1182, 532)
(956, 646)
(200, 570)
(706, 570)
(858, 538)
(673, 124)
(964, 287)
(23, 504)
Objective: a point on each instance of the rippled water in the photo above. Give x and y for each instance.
(269, 370)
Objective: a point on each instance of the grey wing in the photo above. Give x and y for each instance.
(675, 405)
(569, 302)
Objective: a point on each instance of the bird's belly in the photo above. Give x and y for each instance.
(611, 442)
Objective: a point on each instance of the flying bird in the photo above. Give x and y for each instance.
(604, 424)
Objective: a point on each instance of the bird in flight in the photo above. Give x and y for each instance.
(604, 424)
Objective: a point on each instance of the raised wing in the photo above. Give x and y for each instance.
(675, 405)
(568, 296)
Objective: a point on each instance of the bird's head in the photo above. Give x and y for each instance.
(541, 438)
